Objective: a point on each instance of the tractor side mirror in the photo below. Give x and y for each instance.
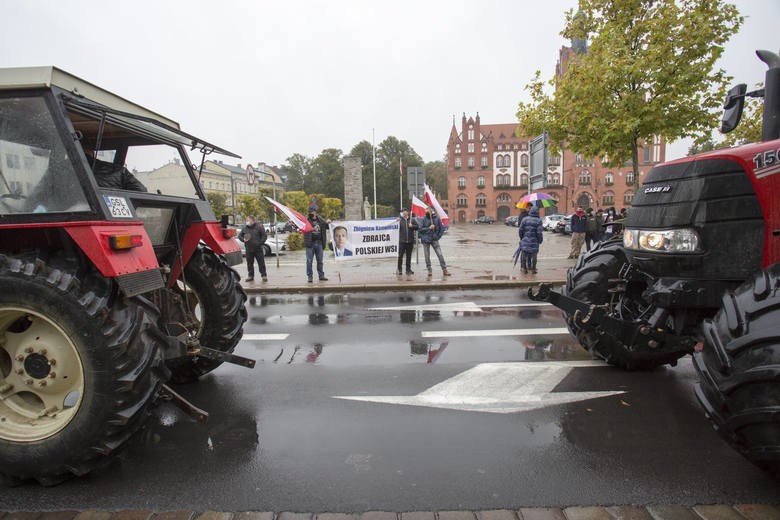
(732, 108)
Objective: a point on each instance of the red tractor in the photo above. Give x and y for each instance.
(112, 283)
(697, 271)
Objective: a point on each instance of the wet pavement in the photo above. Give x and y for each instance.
(477, 255)
(438, 405)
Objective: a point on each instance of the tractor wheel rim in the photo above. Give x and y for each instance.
(41, 376)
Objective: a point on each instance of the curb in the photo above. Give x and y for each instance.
(387, 287)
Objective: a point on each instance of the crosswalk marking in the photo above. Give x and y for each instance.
(264, 337)
(494, 332)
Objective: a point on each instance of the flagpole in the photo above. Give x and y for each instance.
(401, 184)
(373, 153)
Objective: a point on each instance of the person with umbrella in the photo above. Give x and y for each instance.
(531, 238)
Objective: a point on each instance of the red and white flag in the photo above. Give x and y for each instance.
(430, 198)
(418, 207)
(301, 222)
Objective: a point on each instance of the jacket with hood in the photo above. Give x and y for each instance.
(531, 232)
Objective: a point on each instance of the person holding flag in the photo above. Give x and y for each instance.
(314, 241)
(406, 227)
(431, 230)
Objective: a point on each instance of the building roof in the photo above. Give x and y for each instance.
(507, 130)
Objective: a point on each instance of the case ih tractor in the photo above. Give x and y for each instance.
(697, 270)
(110, 286)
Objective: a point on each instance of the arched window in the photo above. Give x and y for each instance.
(608, 199)
(481, 200)
(507, 179)
(524, 179)
(500, 161)
(524, 160)
(471, 147)
(609, 178)
(630, 179)
(507, 161)
(461, 182)
(556, 178)
(585, 177)
(481, 181)
(503, 198)
(480, 213)
(471, 133)
(462, 201)
(484, 147)
(628, 197)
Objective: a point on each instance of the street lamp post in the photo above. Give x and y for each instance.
(273, 187)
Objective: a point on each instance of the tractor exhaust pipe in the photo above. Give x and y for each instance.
(771, 124)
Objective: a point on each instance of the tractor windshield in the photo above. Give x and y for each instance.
(36, 174)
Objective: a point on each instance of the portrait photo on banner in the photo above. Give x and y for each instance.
(355, 239)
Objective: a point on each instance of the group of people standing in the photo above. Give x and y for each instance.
(430, 229)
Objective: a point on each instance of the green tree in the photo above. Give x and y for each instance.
(436, 177)
(649, 71)
(326, 174)
(218, 202)
(249, 205)
(706, 146)
(298, 200)
(295, 170)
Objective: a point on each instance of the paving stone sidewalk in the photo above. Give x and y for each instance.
(656, 512)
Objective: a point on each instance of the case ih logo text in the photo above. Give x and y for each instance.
(658, 189)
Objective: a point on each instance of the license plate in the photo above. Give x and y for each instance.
(118, 207)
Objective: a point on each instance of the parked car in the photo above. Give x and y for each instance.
(484, 219)
(272, 246)
(512, 220)
(550, 221)
(285, 227)
(564, 225)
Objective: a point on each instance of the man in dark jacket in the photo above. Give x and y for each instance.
(592, 228)
(314, 241)
(253, 236)
(109, 175)
(431, 231)
(578, 227)
(531, 237)
(406, 227)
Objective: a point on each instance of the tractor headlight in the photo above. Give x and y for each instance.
(662, 240)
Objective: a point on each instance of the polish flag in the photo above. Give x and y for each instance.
(301, 222)
(418, 207)
(430, 198)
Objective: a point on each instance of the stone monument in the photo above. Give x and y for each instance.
(353, 188)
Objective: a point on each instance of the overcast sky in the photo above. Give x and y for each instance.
(269, 79)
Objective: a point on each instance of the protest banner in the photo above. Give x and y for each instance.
(360, 239)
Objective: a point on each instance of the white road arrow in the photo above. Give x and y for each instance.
(498, 388)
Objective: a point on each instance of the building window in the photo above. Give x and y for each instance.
(500, 161)
(555, 160)
(507, 161)
(524, 179)
(556, 178)
(471, 162)
(480, 213)
(647, 153)
(471, 133)
(457, 162)
(503, 198)
(471, 147)
(578, 158)
(457, 149)
(524, 160)
(609, 178)
(628, 197)
(500, 147)
(481, 200)
(630, 179)
(462, 201)
(609, 198)
(484, 147)
(585, 177)
(481, 181)
(461, 182)
(483, 161)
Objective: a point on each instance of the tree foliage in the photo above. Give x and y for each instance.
(218, 202)
(749, 128)
(650, 71)
(436, 177)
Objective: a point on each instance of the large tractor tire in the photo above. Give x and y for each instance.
(216, 298)
(589, 281)
(80, 365)
(739, 369)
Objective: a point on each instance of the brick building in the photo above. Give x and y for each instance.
(488, 170)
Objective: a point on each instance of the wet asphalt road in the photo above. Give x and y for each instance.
(279, 439)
